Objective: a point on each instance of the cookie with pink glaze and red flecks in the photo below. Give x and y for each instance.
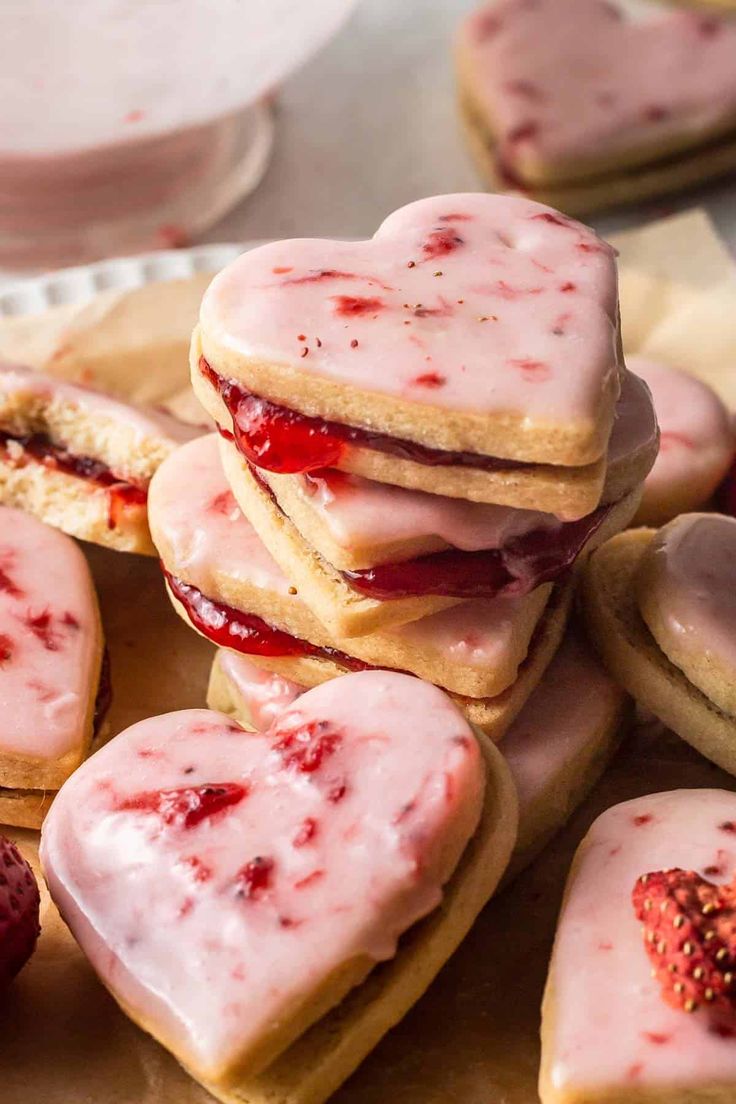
(660, 608)
(471, 348)
(81, 460)
(53, 678)
(278, 870)
(224, 583)
(588, 103)
(366, 555)
(696, 443)
(640, 1003)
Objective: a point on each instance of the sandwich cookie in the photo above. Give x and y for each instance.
(54, 686)
(470, 349)
(696, 445)
(661, 610)
(235, 890)
(556, 749)
(365, 554)
(80, 460)
(223, 582)
(640, 1002)
(588, 103)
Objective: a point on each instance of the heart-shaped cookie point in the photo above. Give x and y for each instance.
(469, 328)
(689, 929)
(231, 887)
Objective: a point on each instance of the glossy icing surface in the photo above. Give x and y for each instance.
(692, 583)
(470, 302)
(362, 512)
(192, 512)
(696, 438)
(610, 1024)
(263, 694)
(567, 80)
(211, 914)
(20, 386)
(48, 638)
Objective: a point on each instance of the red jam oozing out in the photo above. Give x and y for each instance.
(283, 440)
(40, 447)
(188, 806)
(247, 633)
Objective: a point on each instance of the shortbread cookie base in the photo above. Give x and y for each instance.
(343, 610)
(492, 715)
(77, 506)
(567, 492)
(646, 181)
(25, 808)
(631, 654)
(316, 1064)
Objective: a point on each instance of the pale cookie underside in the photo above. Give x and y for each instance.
(75, 505)
(567, 492)
(25, 808)
(633, 657)
(343, 610)
(658, 177)
(492, 715)
(313, 1067)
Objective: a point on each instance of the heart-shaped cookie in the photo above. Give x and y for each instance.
(639, 1004)
(50, 655)
(473, 336)
(585, 102)
(230, 888)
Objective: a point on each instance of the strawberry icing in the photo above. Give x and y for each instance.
(608, 1026)
(692, 583)
(204, 538)
(49, 639)
(564, 81)
(696, 437)
(262, 695)
(361, 512)
(325, 839)
(472, 302)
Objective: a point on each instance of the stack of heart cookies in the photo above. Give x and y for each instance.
(418, 436)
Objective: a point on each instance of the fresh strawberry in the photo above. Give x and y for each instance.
(19, 903)
(690, 936)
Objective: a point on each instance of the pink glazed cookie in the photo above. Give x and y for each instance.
(696, 444)
(583, 103)
(269, 880)
(471, 348)
(611, 1031)
(51, 651)
(556, 748)
(80, 460)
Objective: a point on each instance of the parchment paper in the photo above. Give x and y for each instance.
(474, 1036)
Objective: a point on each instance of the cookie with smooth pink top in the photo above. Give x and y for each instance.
(471, 348)
(51, 663)
(640, 1003)
(80, 460)
(557, 748)
(696, 447)
(660, 609)
(350, 544)
(225, 584)
(588, 103)
(277, 871)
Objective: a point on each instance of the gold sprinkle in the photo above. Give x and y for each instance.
(292, 590)
(438, 273)
(461, 301)
(482, 317)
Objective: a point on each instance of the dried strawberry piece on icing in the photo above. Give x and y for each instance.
(307, 746)
(689, 928)
(188, 806)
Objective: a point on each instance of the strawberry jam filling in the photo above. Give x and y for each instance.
(283, 440)
(523, 564)
(40, 448)
(246, 632)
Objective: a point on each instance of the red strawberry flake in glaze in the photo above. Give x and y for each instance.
(325, 274)
(526, 89)
(307, 746)
(6, 648)
(255, 877)
(42, 627)
(201, 872)
(506, 291)
(553, 218)
(223, 503)
(430, 379)
(658, 1038)
(186, 807)
(524, 132)
(487, 26)
(532, 370)
(440, 242)
(642, 820)
(351, 305)
(656, 114)
(69, 620)
(727, 826)
(709, 28)
(7, 586)
(689, 928)
(307, 832)
(568, 286)
(281, 270)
